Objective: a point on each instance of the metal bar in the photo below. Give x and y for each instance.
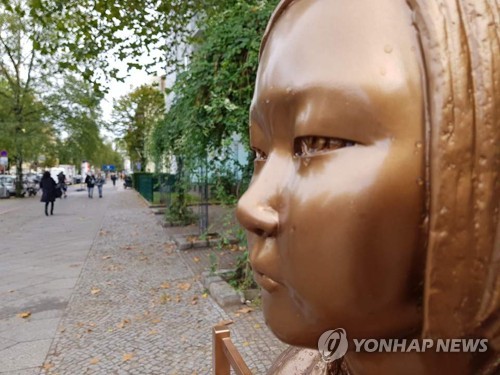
(221, 364)
(225, 354)
(237, 362)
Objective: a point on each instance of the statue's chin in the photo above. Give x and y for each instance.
(287, 323)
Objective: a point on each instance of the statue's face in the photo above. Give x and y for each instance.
(335, 209)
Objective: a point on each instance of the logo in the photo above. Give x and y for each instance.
(333, 344)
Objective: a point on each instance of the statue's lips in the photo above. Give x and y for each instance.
(265, 282)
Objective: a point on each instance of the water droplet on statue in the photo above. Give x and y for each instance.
(418, 145)
(420, 181)
(443, 234)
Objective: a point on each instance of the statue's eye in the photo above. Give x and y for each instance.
(259, 155)
(311, 145)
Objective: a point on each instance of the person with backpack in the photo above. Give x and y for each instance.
(100, 182)
(90, 181)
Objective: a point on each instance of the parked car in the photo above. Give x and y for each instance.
(77, 179)
(8, 182)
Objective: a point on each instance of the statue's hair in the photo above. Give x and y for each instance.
(460, 48)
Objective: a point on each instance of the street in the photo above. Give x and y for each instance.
(99, 288)
(40, 261)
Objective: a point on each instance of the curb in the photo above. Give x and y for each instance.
(220, 290)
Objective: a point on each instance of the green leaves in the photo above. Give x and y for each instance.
(134, 115)
(212, 96)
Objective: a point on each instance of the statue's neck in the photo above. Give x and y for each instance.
(428, 363)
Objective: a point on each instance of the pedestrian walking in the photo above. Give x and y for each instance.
(113, 178)
(49, 187)
(61, 178)
(99, 183)
(90, 181)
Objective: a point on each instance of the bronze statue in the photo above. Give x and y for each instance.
(374, 204)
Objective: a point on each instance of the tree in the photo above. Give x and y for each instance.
(133, 117)
(22, 124)
(76, 114)
(89, 31)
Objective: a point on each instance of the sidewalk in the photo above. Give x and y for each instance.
(138, 307)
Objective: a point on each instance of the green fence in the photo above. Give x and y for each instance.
(155, 187)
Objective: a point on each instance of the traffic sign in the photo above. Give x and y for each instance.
(3, 153)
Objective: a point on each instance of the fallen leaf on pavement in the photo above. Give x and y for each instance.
(165, 285)
(94, 361)
(128, 357)
(106, 257)
(225, 322)
(164, 298)
(204, 295)
(95, 291)
(245, 310)
(246, 343)
(256, 325)
(196, 259)
(153, 332)
(123, 323)
(184, 286)
(47, 365)
(194, 300)
(24, 314)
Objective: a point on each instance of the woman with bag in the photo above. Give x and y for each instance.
(90, 181)
(49, 192)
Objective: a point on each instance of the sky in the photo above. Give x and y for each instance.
(118, 89)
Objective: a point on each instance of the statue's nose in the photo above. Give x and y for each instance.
(257, 215)
(258, 208)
